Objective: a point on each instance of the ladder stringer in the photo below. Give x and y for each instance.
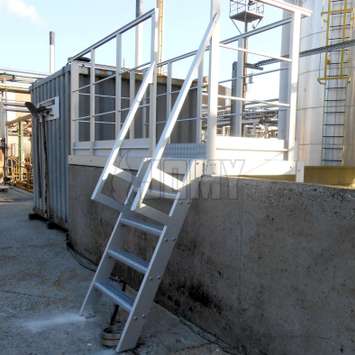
(110, 168)
(173, 116)
(160, 259)
(106, 264)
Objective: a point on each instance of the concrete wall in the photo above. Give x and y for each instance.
(270, 271)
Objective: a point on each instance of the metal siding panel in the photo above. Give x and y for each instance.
(57, 145)
(67, 142)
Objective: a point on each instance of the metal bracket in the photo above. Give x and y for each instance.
(51, 107)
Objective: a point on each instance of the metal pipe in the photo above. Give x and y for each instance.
(23, 73)
(51, 52)
(113, 35)
(281, 4)
(233, 39)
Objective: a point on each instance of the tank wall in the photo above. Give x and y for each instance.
(311, 94)
(57, 133)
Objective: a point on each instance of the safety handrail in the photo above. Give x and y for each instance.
(148, 79)
(174, 114)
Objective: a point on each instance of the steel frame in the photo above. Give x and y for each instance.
(213, 47)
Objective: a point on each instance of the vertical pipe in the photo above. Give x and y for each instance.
(211, 168)
(139, 28)
(51, 52)
(295, 55)
(237, 89)
(284, 80)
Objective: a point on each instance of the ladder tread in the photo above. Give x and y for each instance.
(143, 226)
(117, 296)
(130, 260)
(161, 194)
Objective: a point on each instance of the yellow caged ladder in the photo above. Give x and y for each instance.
(338, 18)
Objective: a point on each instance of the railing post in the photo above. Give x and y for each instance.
(169, 90)
(118, 83)
(211, 168)
(295, 55)
(132, 94)
(92, 100)
(153, 85)
(74, 105)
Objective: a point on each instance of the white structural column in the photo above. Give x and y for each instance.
(211, 168)
(295, 56)
(284, 80)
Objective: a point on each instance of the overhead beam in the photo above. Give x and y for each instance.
(286, 6)
(309, 52)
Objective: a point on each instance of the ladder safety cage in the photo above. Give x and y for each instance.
(337, 73)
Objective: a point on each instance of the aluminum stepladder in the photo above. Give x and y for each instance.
(137, 214)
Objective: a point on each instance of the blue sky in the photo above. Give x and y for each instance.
(24, 26)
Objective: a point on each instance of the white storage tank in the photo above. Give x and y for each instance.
(325, 130)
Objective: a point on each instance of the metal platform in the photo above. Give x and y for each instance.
(247, 16)
(246, 10)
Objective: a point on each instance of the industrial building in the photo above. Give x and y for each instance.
(217, 183)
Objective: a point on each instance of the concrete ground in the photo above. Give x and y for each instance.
(42, 287)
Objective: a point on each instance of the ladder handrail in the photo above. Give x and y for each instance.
(148, 79)
(171, 121)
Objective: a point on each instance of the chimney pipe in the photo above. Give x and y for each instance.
(51, 52)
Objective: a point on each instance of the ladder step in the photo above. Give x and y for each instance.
(167, 179)
(130, 260)
(143, 226)
(117, 296)
(161, 194)
(334, 100)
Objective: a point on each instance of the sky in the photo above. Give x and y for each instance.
(24, 27)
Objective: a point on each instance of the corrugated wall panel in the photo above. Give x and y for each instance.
(58, 147)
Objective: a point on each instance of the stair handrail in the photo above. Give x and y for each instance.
(148, 79)
(173, 116)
